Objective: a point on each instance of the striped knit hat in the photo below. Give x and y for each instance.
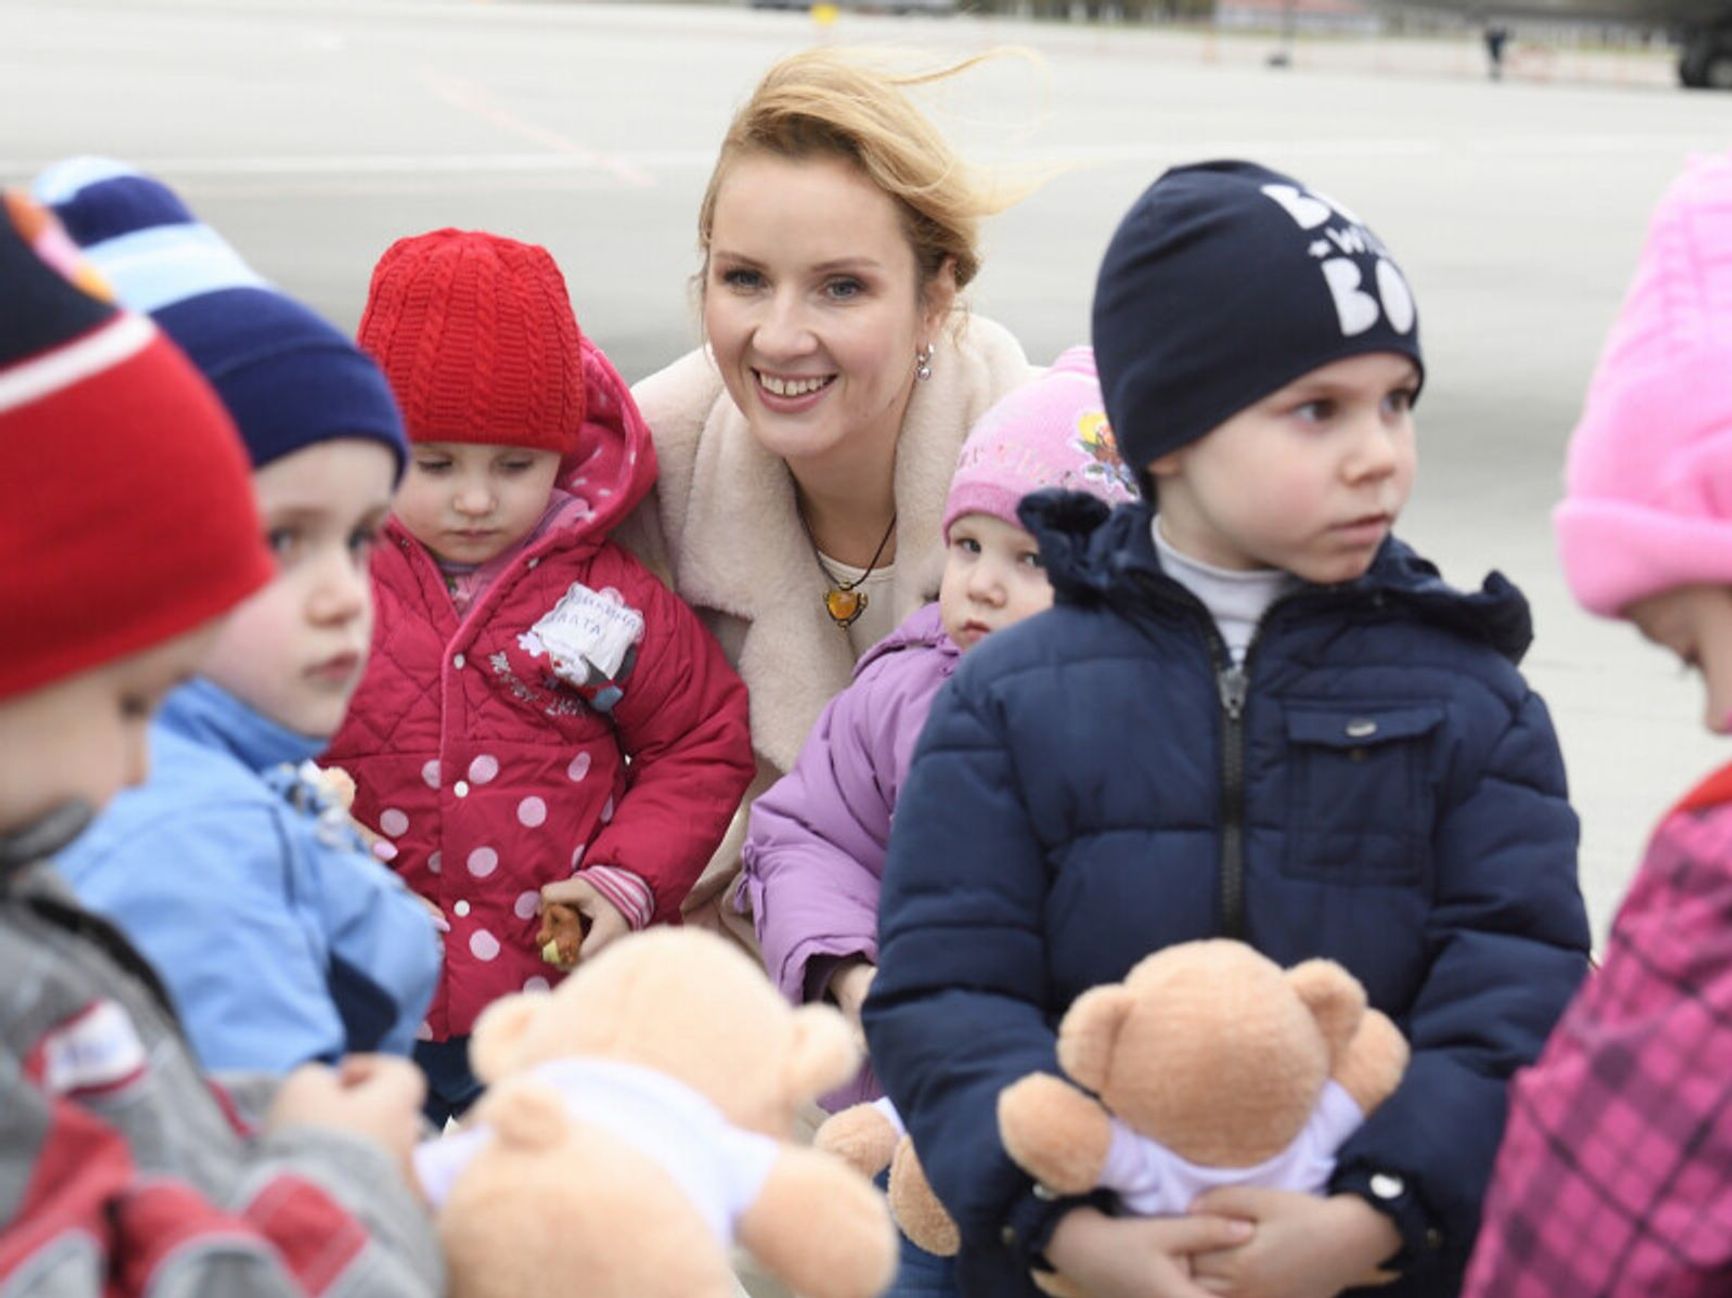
(130, 515)
(288, 377)
(476, 333)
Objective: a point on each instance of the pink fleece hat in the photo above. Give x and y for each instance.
(1050, 432)
(1648, 486)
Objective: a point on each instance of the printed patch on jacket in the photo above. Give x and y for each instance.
(590, 639)
(98, 1050)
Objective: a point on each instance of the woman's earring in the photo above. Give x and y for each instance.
(923, 363)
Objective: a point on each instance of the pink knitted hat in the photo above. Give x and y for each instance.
(1050, 432)
(1648, 487)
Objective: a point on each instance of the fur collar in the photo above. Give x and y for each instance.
(733, 541)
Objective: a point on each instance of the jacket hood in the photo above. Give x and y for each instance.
(614, 467)
(921, 629)
(1096, 556)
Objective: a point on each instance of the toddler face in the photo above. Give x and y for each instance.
(992, 579)
(85, 738)
(468, 502)
(295, 651)
(1695, 623)
(1310, 479)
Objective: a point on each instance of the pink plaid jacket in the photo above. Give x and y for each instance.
(1615, 1173)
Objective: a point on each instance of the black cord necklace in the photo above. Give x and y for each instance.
(844, 601)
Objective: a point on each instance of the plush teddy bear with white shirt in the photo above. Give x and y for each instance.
(1212, 1067)
(636, 1126)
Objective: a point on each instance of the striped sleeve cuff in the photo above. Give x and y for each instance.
(629, 894)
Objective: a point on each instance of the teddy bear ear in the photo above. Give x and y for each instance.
(526, 1113)
(1335, 998)
(495, 1045)
(1090, 1032)
(822, 1054)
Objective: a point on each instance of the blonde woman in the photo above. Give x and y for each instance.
(806, 449)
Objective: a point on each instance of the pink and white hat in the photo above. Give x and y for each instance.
(1050, 432)
(1648, 486)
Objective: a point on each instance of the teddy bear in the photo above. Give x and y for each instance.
(1211, 1065)
(870, 1137)
(636, 1125)
(1208, 1065)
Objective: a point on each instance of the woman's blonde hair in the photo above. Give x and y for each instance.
(823, 102)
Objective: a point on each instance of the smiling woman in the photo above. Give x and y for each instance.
(806, 449)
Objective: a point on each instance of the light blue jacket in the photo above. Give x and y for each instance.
(281, 939)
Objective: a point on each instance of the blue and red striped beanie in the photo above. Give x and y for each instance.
(288, 377)
(129, 517)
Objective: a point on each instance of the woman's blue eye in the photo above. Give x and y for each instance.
(741, 278)
(844, 289)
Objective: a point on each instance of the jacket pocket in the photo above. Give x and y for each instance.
(1360, 805)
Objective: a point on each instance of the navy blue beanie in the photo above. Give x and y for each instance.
(288, 377)
(1225, 282)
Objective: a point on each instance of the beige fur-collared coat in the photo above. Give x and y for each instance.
(722, 528)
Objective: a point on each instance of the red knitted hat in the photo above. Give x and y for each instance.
(130, 516)
(476, 334)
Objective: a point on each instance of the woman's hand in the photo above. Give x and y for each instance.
(1140, 1257)
(1302, 1245)
(606, 924)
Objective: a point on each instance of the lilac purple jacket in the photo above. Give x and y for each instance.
(817, 838)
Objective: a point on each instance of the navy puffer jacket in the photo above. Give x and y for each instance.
(1377, 785)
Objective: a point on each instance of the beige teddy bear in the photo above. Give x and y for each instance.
(1212, 1067)
(636, 1126)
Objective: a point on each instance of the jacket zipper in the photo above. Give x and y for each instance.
(1233, 686)
(1233, 682)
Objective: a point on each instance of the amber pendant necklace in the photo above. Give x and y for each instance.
(844, 601)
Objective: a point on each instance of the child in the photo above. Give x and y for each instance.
(1260, 717)
(541, 719)
(814, 851)
(132, 530)
(1615, 1176)
(281, 940)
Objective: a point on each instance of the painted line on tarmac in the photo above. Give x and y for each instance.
(472, 97)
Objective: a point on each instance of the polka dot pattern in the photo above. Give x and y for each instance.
(577, 855)
(394, 821)
(527, 904)
(436, 862)
(536, 984)
(531, 812)
(578, 771)
(385, 851)
(483, 945)
(430, 774)
(483, 861)
(483, 768)
(607, 811)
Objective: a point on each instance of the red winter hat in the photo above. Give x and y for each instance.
(476, 334)
(130, 516)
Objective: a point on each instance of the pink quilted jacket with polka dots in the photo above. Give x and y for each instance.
(490, 776)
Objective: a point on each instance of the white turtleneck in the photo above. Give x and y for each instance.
(1236, 599)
